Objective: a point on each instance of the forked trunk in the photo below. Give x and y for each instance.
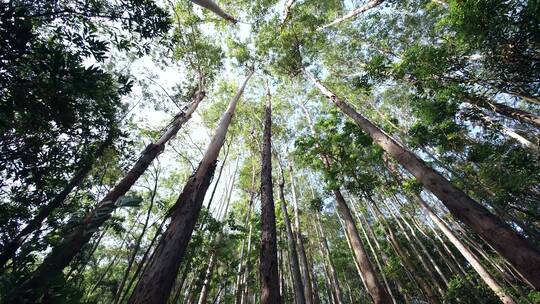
(518, 251)
(352, 13)
(158, 278)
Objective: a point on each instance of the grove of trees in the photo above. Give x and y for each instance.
(264, 151)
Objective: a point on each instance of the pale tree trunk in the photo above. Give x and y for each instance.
(349, 15)
(487, 122)
(246, 271)
(211, 5)
(61, 255)
(293, 254)
(158, 278)
(241, 265)
(398, 215)
(269, 277)
(313, 279)
(405, 258)
(308, 291)
(9, 249)
(513, 247)
(329, 264)
(467, 254)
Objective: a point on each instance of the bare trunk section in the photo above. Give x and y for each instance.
(518, 251)
(269, 277)
(157, 280)
(352, 13)
(329, 264)
(211, 5)
(308, 291)
(63, 254)
(9, 250)
(375, 289)
(293, 259)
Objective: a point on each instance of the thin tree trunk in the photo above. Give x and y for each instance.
(63, 254)
(518, 251)
(158, 278)
(352, 13)
(467, 254)
(308, 291)
(406, 258)
(269, 265)
(327, 258)
(137, 243)
(375, 255)
(9, 250)
(293, 259)
(211, 5)
(510, 112)
(287, 12)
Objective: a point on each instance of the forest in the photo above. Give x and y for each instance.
(270, 151)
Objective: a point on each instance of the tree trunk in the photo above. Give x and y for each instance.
(293, 259)
(405, 258)
(63, 254)
(211, 5)
(518, 251)
(137, 243)
(377, 261)
(352, 13)
(329, 264)
(510, 112)
(467, 254)
(269, 278)
(9, 250)
(375, 289)
(308, 291)
(158, 278)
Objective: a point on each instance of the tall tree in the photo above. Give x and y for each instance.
(68, 248)
(518, 251)
(157, 280)
(268, 260)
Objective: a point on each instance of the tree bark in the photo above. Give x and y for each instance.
(211, 5)
(63, 254)
(158, 278)
(308, 291)
(513, 247)
(293, 260)
(352, 13)
(375, 289)
(329, 264)
(9, 250)
(269, 278)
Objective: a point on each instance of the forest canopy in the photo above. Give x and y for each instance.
(264, 151)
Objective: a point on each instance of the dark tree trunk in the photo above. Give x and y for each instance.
(9, 250)
(63, 254)
(518, 251)
(269, 264)
(158, 278)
